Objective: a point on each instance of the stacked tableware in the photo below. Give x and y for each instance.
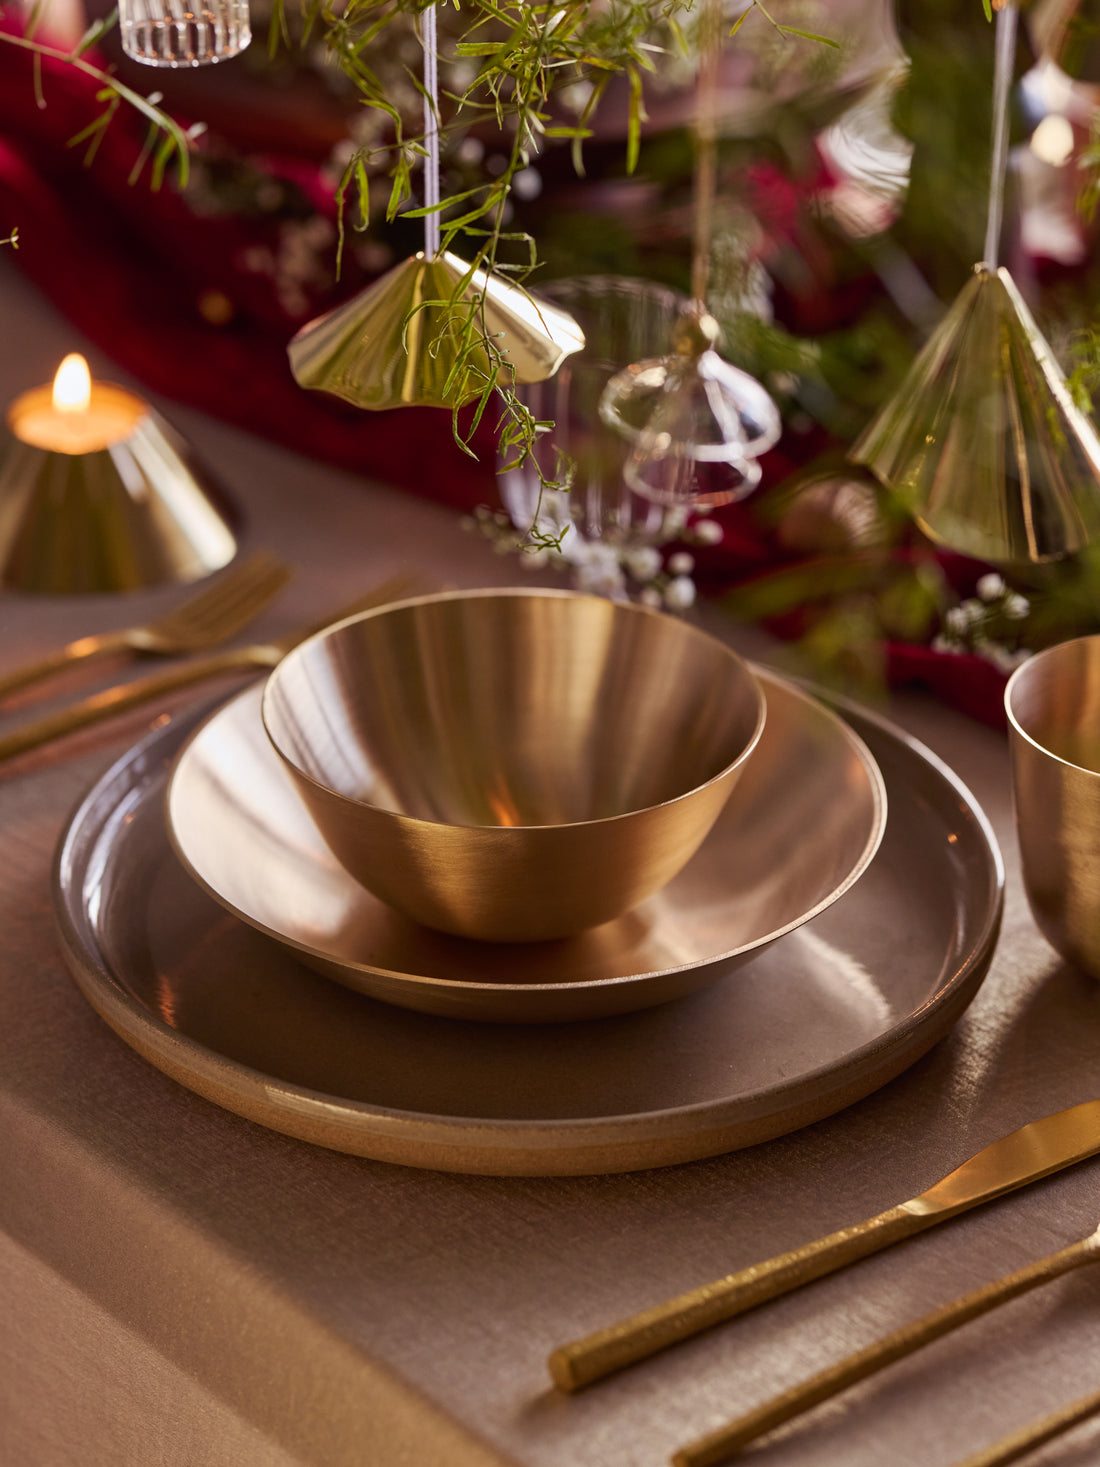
(749, 945)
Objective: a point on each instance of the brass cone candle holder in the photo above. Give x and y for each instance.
(396, 343)
(98, 494)
(982, 440)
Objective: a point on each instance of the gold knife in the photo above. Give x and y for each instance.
(118, 699)
(1026, 1155)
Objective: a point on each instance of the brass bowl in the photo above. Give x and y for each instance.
(513, 766)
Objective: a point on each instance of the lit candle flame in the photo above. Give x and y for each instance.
(72, 386)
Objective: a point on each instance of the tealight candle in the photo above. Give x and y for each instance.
(75, 415)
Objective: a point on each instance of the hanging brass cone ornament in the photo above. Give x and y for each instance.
(983, 442)
(386, 348)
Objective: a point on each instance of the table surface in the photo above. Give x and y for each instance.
(183, 1286)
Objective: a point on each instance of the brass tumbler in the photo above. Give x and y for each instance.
(1053, 707)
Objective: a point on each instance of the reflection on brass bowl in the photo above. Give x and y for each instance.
(511, 765)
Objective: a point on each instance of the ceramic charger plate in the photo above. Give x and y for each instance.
(818, 1020)
(801, 826)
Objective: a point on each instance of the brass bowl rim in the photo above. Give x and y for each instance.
(508, 832)
(1014, 723)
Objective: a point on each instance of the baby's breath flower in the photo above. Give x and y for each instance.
(991, 586)
(643, 562)
(707, 532)
(1002, 658)
(680, 593)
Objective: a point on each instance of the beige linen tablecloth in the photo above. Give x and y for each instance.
(182, 1287)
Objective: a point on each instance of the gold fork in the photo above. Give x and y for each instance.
(118, 699)
(214, 615)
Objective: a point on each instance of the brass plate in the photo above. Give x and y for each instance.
(800, 827)
(816, 1022)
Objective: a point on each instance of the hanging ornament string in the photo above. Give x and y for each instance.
(431, 132)
(1005, 55)
(706, 150)
(696, 423)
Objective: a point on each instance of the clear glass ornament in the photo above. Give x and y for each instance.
(179, 33)
(674, 476)
(696, 423)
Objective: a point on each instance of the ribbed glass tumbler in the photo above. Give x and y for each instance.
(624, 320)
(184, 32)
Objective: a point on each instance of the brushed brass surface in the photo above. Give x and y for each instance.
(217, 613)
(511, 765)
(239, 826)
(395, 344)
(717, 1446)
(835, 1008)
(119, 699)
(1024, 1156)
(141, 512)
(1053, 707)
(983, 442)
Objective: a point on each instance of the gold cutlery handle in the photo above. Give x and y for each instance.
(84, 649)
(715, 1447)
(130, 695)
(196, 670)
(584, 1361)
(1012, 1448)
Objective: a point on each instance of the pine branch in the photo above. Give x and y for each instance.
(175, 142)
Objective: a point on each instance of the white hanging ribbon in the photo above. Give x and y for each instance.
(706, 162)
(1005, 56)
(431, 133)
